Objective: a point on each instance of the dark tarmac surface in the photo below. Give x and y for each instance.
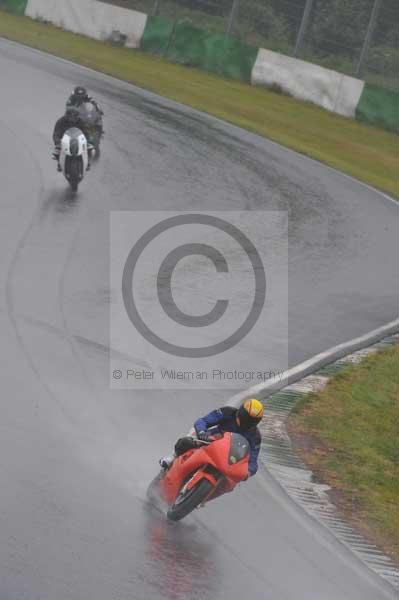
(76, 458)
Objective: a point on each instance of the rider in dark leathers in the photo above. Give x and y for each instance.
(70, 119)
(79, 96)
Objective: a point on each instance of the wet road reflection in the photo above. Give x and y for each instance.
(181, 558)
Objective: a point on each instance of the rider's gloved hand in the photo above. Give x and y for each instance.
(203, 436)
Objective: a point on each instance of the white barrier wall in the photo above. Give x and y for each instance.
(348, 96)
(306, 81)
(91, 18)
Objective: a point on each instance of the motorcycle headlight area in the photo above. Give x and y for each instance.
(74, 147)
(239, 448)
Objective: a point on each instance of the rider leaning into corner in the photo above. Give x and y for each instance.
(70, 119)
(243, 420)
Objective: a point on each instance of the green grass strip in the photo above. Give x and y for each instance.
(365, 152)
(355, 422)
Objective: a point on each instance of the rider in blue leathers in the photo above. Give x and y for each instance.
(243, 420)
(225, 419)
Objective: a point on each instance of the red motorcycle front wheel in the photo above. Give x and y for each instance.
(186, 502)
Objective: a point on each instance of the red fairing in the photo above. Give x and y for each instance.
(194, 462)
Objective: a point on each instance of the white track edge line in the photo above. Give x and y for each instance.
(316, 362)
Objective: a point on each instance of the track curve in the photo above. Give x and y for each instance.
(76, 458)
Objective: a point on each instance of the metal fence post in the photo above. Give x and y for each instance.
(232, 17)
(155, 8)
(304, 27)
(369, 36)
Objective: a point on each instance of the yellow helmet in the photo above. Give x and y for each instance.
(250, 413)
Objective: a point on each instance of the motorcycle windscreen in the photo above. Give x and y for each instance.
(239, 448)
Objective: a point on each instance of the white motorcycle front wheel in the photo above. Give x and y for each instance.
(74, 172)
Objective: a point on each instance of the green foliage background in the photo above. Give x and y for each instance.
(334, 38)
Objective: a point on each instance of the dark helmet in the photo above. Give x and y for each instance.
(80, 93)
(249, 414)
(72, 114)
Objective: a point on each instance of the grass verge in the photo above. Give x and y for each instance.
(367, 153)
(349, 435)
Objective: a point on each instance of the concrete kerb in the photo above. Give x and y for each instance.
(264, 390)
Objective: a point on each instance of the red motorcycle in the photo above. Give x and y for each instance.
(205, 471)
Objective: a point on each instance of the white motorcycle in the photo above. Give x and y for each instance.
(74, 156)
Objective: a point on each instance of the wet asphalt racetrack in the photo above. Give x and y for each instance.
(76, 458)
